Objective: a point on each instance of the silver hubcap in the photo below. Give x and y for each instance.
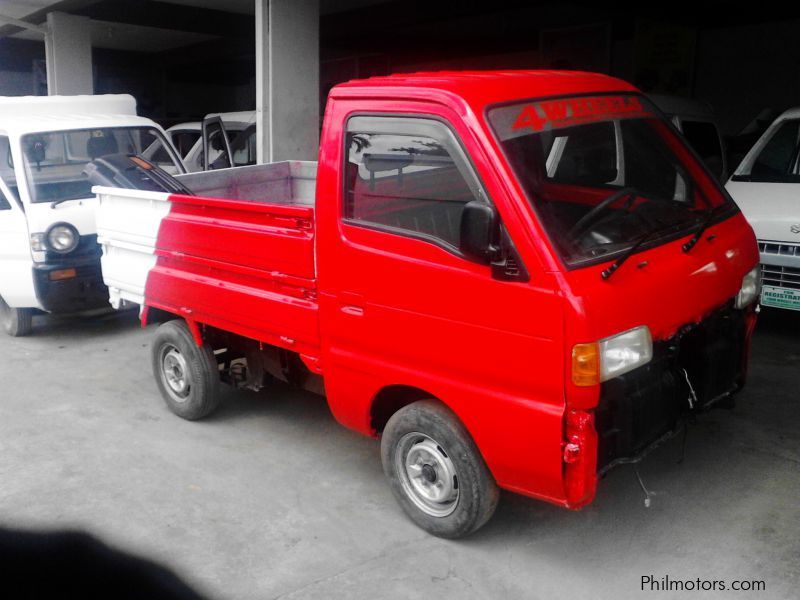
(175, 373)
(427, 474)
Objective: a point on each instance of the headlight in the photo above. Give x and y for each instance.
(751, 288)
(62, 238)
(611, 357)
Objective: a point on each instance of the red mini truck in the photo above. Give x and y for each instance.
(515, 279)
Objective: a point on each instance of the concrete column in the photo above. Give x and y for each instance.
(68, 49)
(287, 79)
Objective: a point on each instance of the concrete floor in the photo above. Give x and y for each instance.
(270, 498)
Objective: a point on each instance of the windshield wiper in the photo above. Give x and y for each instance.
(712, 212)
(55, 203)
(609, 271)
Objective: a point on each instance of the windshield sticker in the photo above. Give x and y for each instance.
(534, 117)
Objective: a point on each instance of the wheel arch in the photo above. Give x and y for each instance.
(392, 398)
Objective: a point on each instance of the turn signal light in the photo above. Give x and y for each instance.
(586, 364)
(62, 274)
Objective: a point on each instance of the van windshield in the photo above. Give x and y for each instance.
(603, 172)
(54, 161)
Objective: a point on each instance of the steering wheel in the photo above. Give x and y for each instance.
(589, 217)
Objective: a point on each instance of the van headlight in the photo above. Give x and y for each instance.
(751, 288)
(611, 357)
(62, 238)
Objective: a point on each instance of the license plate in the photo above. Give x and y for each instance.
(780, 297)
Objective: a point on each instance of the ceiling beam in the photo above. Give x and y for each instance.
(23, 24)
(148, 13)
(40, 16)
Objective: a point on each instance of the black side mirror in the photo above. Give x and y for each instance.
(479, 229)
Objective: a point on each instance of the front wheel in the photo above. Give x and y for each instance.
(187, 375)
(436, 472)
(16, 322)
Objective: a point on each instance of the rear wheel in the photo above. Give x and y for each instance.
(16, 322)
(436, 472)
(187, 375)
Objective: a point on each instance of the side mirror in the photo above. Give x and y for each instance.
(479, 228)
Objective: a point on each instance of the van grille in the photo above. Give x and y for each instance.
(779, 249)
(785, 277)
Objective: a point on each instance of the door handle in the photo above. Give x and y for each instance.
(351, 304)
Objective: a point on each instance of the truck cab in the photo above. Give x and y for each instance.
(766, 186)
(49, 256)
(516, 280)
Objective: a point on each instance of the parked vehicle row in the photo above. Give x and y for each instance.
(515, 280)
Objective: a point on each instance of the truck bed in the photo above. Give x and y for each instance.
(238, 256)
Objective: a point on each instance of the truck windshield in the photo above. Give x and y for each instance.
(603, 171)
(54, 161)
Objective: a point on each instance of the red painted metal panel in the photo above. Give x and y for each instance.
(243, 267)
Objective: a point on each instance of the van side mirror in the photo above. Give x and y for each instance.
(479, 229)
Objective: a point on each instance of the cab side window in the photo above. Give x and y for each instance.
(408, 176)
(6, 172)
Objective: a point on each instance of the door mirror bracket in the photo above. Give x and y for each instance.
(508, 265)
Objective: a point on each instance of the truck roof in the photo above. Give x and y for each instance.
(487, 87)
(28, 114)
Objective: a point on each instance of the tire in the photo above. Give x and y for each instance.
(16, 322)
(187, 375)
(436, 472)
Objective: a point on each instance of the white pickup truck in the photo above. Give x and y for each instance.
(49, 256)
(766, 186)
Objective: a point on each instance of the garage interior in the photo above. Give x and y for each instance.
(185, 58)
(271, 498)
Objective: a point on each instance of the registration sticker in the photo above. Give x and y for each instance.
(780, 297)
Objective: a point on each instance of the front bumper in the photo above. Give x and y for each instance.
(702, 364)
(85, 291)
(780, 274)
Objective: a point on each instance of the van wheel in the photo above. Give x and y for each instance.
(187, 375)
(436, 472)
(16, 322)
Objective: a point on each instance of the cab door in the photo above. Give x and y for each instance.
(16, 278)
(216, 146)
(404, 305)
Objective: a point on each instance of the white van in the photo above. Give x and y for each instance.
(766, 186)
(49, 256)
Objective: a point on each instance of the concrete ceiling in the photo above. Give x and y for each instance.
(117, 36)
(142, 36)
(19, 9)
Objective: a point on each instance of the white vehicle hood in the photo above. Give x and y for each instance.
(78, 213)
(772, 209)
